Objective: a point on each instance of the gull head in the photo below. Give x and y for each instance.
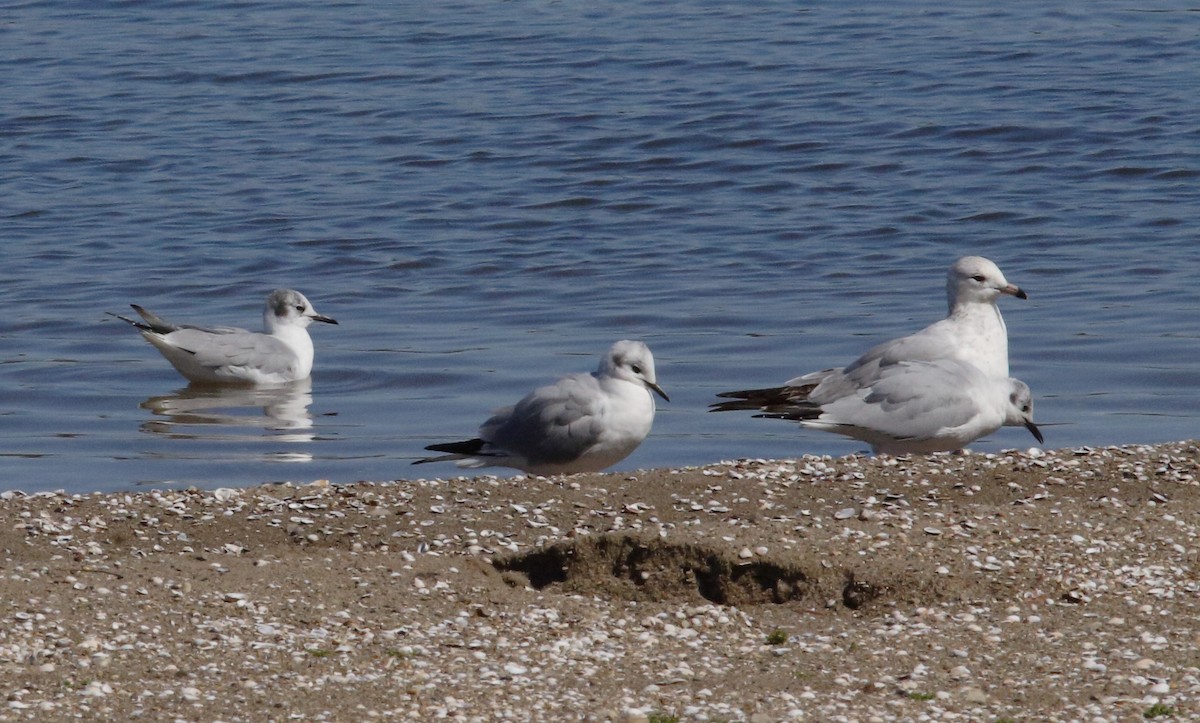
(974, 279)
(1020, 408)
(289, 308)
(632, 362)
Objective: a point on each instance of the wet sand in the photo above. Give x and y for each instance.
(1033, 585)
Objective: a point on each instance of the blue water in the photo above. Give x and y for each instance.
(487, 194)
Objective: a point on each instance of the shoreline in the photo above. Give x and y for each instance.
(1055, 585)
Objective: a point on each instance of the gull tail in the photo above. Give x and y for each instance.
(455, 450)
(778, 402)
(153, 323)
(797, 412)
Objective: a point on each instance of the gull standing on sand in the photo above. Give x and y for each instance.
(973, 331)
(912, 407)
(229, 355)
(887, 395)
(581, 423)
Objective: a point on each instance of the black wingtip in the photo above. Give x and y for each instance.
(466, 446)
(132, 322)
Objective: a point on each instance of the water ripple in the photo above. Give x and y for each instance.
(488, 194)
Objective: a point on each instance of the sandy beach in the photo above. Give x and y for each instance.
(1027, 585)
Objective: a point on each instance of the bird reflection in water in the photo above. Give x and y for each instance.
(279, 413)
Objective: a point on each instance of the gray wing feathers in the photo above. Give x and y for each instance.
(910, 400)
(929, 344)
(552, 424)
(158, 325)
(234, 348)
(154, 322)
(878, 363)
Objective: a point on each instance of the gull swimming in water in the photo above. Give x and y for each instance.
(580, 423)
(972, 333)
(282, 353)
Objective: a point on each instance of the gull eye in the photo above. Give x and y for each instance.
(300, 308)
(979, 277)
(637, 369)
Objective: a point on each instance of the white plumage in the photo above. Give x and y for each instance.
(580, 423)
(282, 353)
(936, 390)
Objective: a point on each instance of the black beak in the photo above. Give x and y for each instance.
(658, 390)
(1033, 429)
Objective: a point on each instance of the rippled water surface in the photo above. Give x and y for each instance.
(486, 195)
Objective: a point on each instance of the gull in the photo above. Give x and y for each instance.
(972, 333)
(580, 423)
(224, 354)
(910, 407)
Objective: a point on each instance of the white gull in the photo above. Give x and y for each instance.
(580, 423)
(282, 353)
(888, 396)
(911, 407)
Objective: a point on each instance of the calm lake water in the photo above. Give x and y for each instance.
(487, 194)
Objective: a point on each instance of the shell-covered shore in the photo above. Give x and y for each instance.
(1047, 585)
